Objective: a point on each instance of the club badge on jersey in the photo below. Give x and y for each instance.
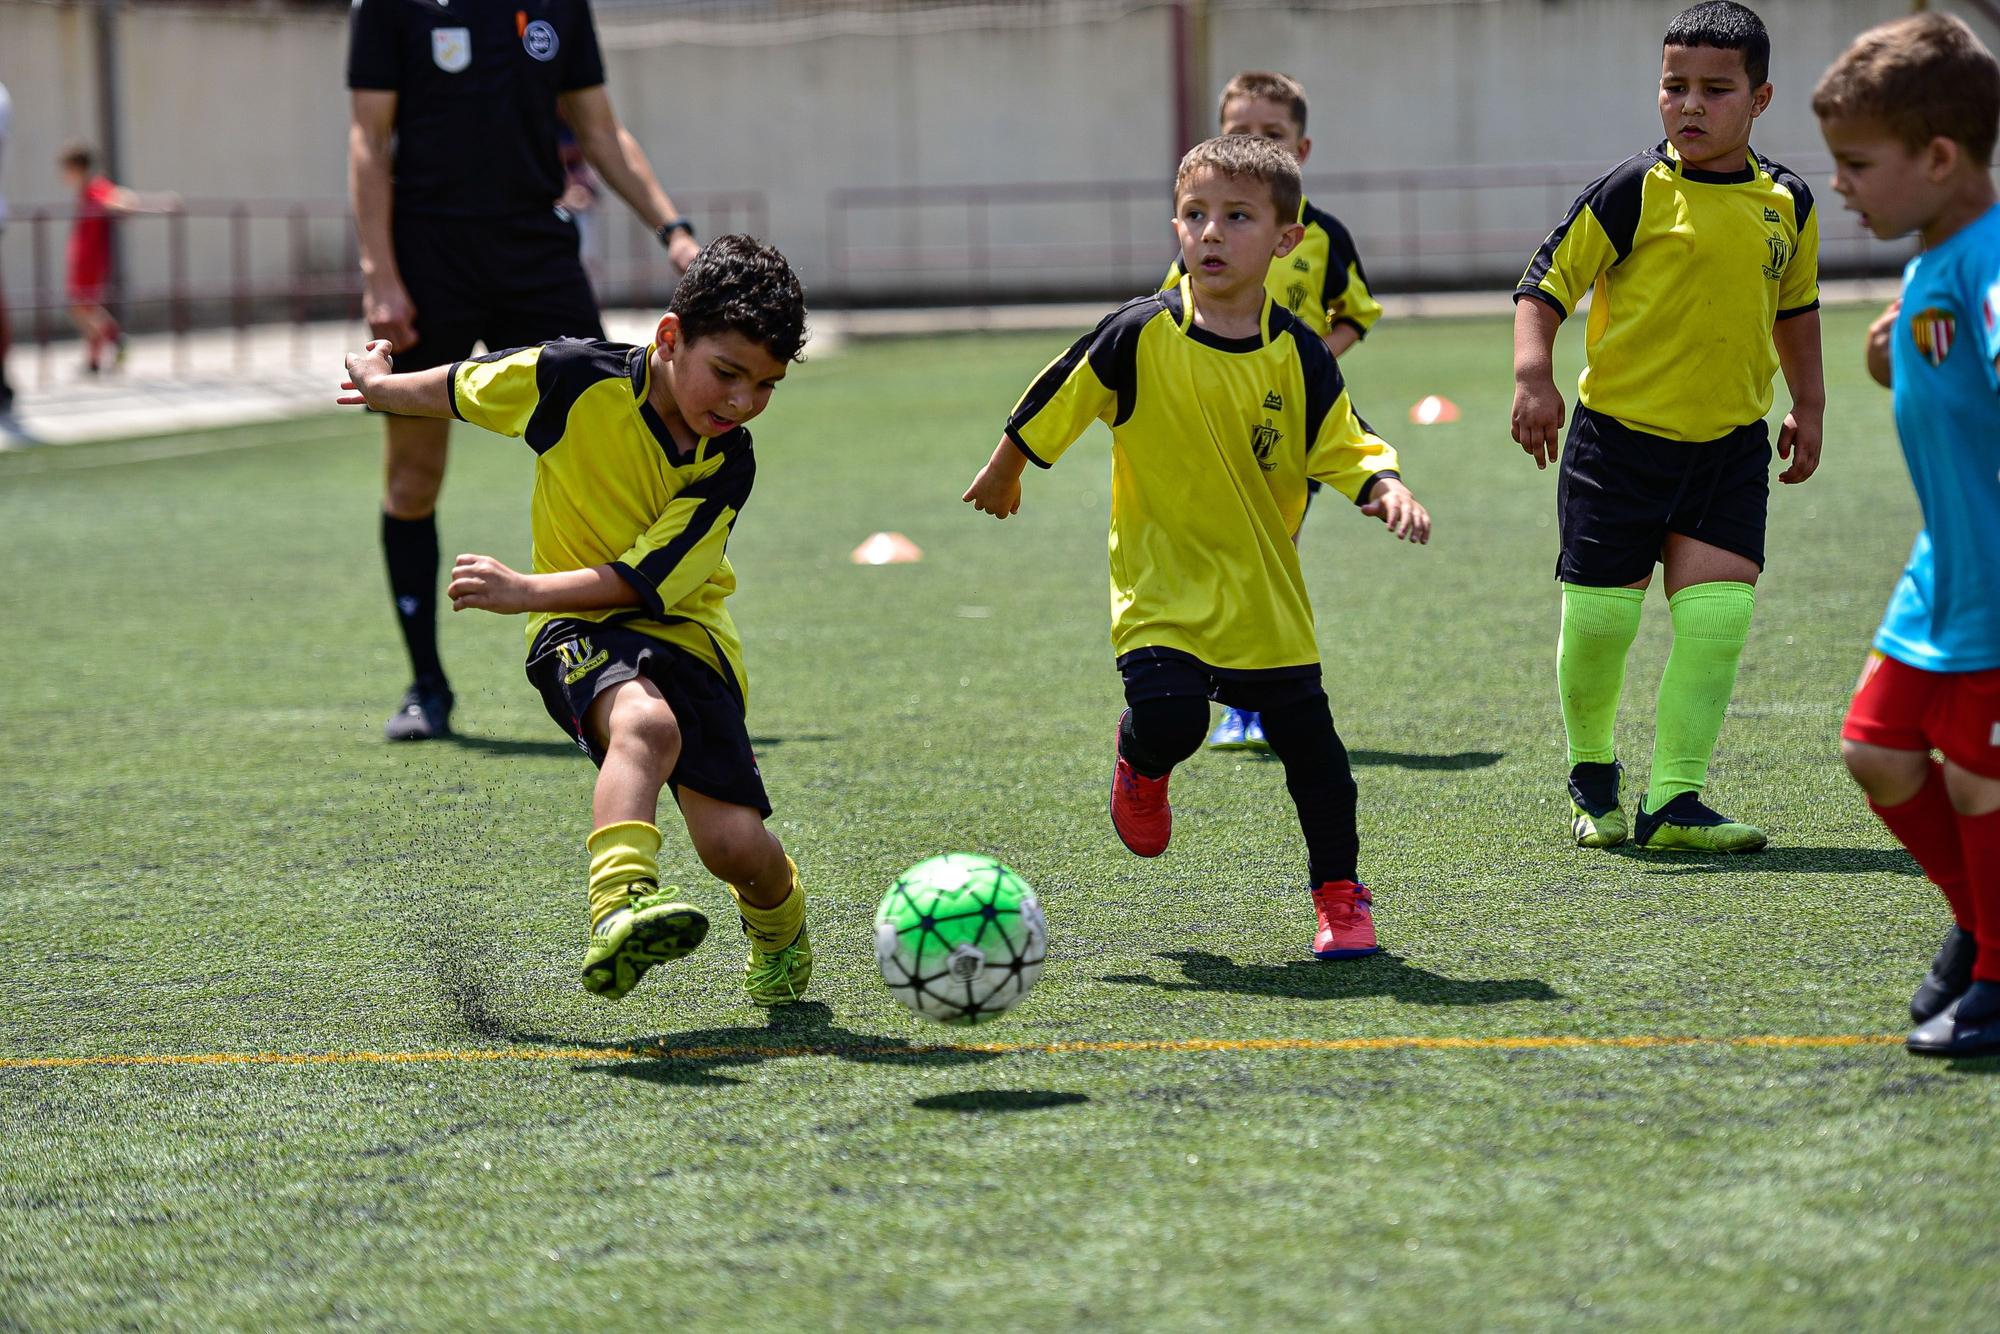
(539, 39)
(451, 48)
(1931, 330)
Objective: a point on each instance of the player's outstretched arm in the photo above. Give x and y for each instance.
(609, 148)
(1538, 404)
(484, 583)
(372, 382)
(997, 488)
(1392, 503)
(1797, 340)
(1880, 333)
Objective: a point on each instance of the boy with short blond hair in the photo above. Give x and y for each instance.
(1221, 406)
(1702, 258)
(1910, 113)
(642, 465)
(1320, 279)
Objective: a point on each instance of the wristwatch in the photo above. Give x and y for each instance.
(665, 231)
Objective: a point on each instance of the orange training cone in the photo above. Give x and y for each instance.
(1432, 409)
(887, 549)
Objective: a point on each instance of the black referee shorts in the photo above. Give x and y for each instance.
(1619, 492)
(573, 662)
(505, 282)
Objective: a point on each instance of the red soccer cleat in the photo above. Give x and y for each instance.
(1139, 810)
(1346, 920)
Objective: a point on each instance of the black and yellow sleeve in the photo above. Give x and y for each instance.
(683, 547)
(1596, 234)
(1798, 290)
(499, 391)
(529, 391)
(1342, 451)
(1346, 298)
(1095, 380)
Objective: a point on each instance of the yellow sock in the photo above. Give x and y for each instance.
(774, 929)
(623, 857)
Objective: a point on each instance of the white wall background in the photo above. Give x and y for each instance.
(226, 103)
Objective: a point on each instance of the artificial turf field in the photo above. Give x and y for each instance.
(210, 852)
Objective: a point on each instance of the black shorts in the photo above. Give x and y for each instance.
(1619, 492)
(504, 282)
(572, 662)
(1162, 673)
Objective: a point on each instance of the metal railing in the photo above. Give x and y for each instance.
(1416, 228)
(220, 263)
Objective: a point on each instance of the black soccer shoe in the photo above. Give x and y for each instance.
(1969, 1026)
(1950, 975)
(424, 714)
(1596, 820)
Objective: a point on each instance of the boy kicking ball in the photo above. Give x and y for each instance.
(641, 467)
(1221, 405)
(1910, 113)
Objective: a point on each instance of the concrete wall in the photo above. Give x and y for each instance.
(228, 104)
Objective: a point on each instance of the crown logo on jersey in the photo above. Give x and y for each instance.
(1273, 403)
(1781, 250)
(1931, 330)
(1299, 263)
(1771, 214)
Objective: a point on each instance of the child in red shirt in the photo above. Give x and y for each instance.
(97, 199)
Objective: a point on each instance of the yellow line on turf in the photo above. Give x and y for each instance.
(865, 1050)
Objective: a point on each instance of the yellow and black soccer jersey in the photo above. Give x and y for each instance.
(1321, 281)
(1212, 440)
(1688, 272)
(612, 487)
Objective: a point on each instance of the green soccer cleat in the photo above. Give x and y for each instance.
(1685, 825)
(1596, 818)
(657, 930)
(780, 976)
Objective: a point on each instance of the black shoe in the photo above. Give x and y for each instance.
(1596, 820)
(1950, 975)
(424, 714)
(1969, 1026)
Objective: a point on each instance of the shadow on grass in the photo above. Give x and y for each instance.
(1313, 979)
(1893, 861)
(1400, 759)
(698, 1057)
(999, 1100)
(493, 745)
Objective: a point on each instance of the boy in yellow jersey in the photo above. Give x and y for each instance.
(642, 465)
(1221, 405)
(1320, 280)
(1702, 258)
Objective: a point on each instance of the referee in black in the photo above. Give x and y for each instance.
(453, 168)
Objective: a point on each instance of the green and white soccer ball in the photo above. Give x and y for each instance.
(960, 938)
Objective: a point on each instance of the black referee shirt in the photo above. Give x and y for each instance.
(476, 84)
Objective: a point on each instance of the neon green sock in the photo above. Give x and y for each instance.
(1598, 627)
(1711, 621)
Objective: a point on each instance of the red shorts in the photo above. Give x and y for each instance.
(1901, 707)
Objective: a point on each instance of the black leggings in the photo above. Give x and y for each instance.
(1159, 733)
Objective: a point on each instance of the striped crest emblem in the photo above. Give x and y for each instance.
(1931, 330)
